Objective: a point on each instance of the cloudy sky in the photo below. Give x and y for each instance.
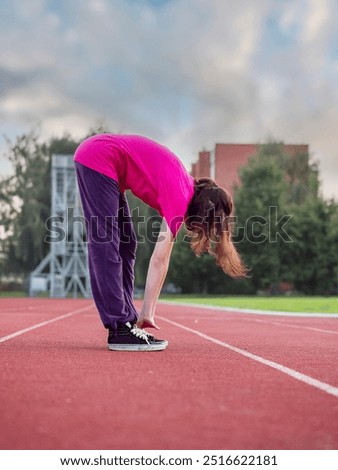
(187, 73)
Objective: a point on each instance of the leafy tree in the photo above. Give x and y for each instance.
(260, 201)
(200, 275)
(301, 175)
(185, 270)
(304, 250)
(25, 200)
(25, 204)
(65, 145)
(312, 256)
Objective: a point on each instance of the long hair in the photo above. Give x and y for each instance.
(208, 222)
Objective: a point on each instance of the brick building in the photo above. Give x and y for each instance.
(223, 162)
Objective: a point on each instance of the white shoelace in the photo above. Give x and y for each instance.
(139, 333)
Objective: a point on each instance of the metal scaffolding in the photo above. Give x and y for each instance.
(65, 269)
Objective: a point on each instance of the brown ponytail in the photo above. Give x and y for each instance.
(208, 222)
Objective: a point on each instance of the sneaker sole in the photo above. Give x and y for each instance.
(137, 347)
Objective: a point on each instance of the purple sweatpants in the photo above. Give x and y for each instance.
(111, 246)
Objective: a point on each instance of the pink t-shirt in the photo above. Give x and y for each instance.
(151, 171)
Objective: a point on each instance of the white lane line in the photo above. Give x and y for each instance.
(48, 322)
(250, 310)
(319, 329)
(266, 322)
(327, 388)
(296, 326)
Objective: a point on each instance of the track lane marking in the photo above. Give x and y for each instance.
(312, 328)
(267, 322)
(323, 386)
(47, 322)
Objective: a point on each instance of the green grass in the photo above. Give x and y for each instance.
(23, 294)
(14, 293)
(285, 304)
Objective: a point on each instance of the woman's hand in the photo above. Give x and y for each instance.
(144, 322)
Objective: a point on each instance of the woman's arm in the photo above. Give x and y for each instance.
(157, 271)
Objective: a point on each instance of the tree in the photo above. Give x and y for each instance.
(301, 174)
(200, 275)
(303, 251)
(312, 256)
(185, 270)
(260, 201)
(25, 203)
(25, 200)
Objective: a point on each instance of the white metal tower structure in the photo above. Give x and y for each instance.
(65, 268)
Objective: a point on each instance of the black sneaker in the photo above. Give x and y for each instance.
(131, 338)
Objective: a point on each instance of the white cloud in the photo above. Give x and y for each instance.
(316, 20)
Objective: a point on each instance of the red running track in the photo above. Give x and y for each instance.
(226, 381)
